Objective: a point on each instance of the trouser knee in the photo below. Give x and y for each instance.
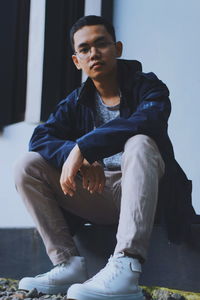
(25, 165)
(138, 143)
(143, 148)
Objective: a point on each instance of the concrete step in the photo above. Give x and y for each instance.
(169, 265)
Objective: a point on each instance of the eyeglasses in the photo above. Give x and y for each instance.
(84, 52)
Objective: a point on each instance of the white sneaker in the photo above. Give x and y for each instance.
(59, 279)
(118, 280)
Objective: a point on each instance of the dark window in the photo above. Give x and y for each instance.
(60, 76)
(14, 27)
(107, 9)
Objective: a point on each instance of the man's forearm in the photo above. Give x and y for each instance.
(69, 170)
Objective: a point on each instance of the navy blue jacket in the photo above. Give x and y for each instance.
(144, 109)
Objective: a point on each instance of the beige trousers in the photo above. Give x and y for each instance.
(129, 199)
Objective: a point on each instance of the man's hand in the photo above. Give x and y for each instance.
(69, 171)
(93, 176)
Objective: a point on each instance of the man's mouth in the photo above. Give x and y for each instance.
(97, 64)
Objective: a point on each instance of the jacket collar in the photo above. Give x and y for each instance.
(126, 70)
(86, 92)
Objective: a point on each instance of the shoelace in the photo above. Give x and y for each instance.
(56, 270)
(104, 277)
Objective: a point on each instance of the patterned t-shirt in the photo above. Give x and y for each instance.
(104, 114)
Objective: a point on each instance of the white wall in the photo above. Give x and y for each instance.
(164, 36)
(13, 143)
(92, 7)
(14, 139)
(35, 60)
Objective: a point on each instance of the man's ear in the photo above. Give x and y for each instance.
(119, 48)
(76, 62)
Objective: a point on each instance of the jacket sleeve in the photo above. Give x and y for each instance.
(149, 118)
(53, 140)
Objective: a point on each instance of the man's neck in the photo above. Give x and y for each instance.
(108, 89)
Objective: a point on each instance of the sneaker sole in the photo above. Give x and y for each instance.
(41, 288)
(85, 295)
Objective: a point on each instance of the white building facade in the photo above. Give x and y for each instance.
(163, 35)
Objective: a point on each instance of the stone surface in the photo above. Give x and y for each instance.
(9, 291)
(32, 294)
(166, 295)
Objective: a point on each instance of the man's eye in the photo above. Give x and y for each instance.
(101, 44)
(84, 50)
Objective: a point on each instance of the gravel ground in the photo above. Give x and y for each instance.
(9, 291)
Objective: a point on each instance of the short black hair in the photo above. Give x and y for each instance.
(88, 21)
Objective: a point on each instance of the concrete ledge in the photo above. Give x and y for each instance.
(22, 253)
(174, 266)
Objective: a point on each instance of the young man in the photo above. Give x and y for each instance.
(100, 157)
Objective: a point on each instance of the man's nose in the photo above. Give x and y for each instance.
(94, 52)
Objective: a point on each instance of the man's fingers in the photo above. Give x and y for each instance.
(70, 169)
(71, 182)
(100, 188)
(67, 190)
(85, 181)
(97, 182)
(89, 179)
(93, 178)
(67, 184)
(91, 183)
(101, 184)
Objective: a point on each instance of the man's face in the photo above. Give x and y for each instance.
(96, 51)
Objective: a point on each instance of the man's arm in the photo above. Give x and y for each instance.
(54, 139)
(55, 142)
(150, 118)
(69, 170)
(93, 174)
